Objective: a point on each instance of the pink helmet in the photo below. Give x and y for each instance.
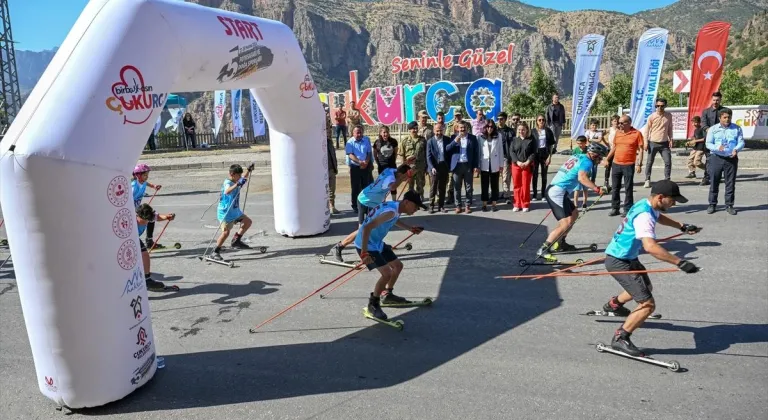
(141, 168)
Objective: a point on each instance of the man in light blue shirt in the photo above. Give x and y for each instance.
(724, 141)
(359, 153)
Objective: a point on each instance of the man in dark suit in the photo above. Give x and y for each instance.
(710, 117)
(555, 116)
(463, 150)
(437, 165)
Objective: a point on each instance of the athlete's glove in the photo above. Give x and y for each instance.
(687, 266)
(417, 229)
(242, 181)
(251, 167)
(686, 228)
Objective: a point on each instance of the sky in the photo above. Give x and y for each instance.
(43, 24)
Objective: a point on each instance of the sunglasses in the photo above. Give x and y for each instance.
(540, 119)
(660, 105)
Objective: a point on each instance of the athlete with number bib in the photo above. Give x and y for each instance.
(576, 170)
(374, 194)
(376, 254)
(638, 229)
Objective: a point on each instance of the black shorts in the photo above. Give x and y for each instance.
(637, 285)
(559, 202)
(142, 245)
(380, 259)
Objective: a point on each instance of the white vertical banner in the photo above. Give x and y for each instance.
(589, 54)
(237, 113)
(157, 123)
(257, 118)
(173, 123)
(219, 105)
(645, 83)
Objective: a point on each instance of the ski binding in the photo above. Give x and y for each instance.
(399, 324)
(409, 304)
(671, 365)
(604, 313)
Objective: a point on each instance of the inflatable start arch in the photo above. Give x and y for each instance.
(64, 183)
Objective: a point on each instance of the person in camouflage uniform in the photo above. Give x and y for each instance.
(413, 151)
(333, 167)
(425, 129)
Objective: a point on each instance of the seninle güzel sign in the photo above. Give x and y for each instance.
(467, 59)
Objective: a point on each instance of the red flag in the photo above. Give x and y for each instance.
(708, 60)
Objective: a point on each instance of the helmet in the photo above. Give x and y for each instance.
(598, 149)
(141, 168)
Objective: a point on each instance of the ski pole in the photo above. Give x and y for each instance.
(534, 229)
(253, 330)
(342, 283)
(6, 261)
(159, 236)
(405, 187)
(592, 273)
(406, 238)
(152, 198)
(1, 222)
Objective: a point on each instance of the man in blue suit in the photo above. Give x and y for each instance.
(437, 165)
(463, 151)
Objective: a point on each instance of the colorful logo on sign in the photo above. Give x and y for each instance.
(307, 87)
(142, 340)
(245, 61)
(133, 98)
(467, 59)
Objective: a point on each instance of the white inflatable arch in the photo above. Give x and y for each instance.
(65, 165)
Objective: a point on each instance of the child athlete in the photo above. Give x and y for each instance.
(387, 182)
(374, 253)
(145, 216)
(229, 211)
(639, 229)
(577, 169)
(139, 186)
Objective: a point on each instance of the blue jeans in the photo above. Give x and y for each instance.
(340, 130)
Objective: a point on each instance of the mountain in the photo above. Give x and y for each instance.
(688, 16)
(30, 65)
(748, 50)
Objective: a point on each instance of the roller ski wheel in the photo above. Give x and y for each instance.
(177, 245)
(3, 242)
(672, 365)
(398, 325)
(230, 264)
(612, 314)
(325, 260)
(408, 304)
(262, 249)
(408, 246)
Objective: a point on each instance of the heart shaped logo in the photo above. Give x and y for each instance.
(133, 98)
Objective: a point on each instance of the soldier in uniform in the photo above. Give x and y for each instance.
(425, 130)
(413, 151)
(333, 167)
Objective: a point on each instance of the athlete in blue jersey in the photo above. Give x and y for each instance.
(374, 194)
(375, 253)
(146, 215)
(576, 170)
(638, 230)
(229, 211)
(139, 184)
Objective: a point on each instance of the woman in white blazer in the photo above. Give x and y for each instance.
(491, 163)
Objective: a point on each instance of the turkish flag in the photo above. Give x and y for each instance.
(708, 60)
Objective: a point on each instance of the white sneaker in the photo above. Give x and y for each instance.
(526, 210)
(647, 184)
(516, 209)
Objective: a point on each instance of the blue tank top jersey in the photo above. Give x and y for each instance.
(625, 244)
(138, 192)
(232, 199)
(376, 240)
(567, 176)
(374, 194)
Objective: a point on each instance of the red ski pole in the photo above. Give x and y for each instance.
(342, 283)
(152, 198)
(159, 236)
(253, 330)
(591, 273)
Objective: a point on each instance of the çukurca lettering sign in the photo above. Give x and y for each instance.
(467, 59)
(396, 104)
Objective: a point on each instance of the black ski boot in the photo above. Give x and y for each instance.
(336, 252)
(216, 255)
(389, 298)
(151, 243)
(237, 242)
(374, 307)
(616, 307)
(622, 343)
(153, 285)
(562, 246)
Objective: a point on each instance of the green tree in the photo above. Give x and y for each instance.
(539, 94)
(665, 91)
(737, 90)
(524, 104)
(616, 93)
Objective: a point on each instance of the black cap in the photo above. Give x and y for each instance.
(415, 197)
(669, 189)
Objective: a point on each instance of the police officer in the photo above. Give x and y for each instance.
(413, 151)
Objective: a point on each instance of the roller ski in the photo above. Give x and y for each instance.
(390, 300)
(373, 312)
(215, 257)
(562, 247)
(334, 258)
(622, 346)
(158, 286)
(3, 242)
(525, 263)
(162, 248)
(617, 315)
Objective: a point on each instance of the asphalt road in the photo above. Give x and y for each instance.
(486, 349)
